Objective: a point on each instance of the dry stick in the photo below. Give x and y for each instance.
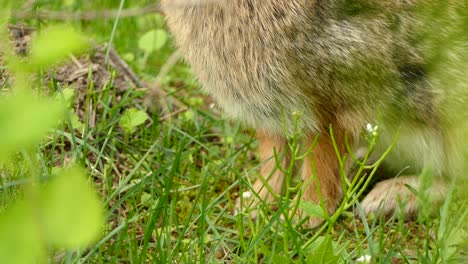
(28, 5)
(123, 66)
(86, 15)
(156, 88)
(75, 61)
(172, 114)
(21, 28)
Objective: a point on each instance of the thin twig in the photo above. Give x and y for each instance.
(172, 114)
(86, 15)
(154, 88)
(22, 28)
(118, 63)
(28, 5)
(75, 61)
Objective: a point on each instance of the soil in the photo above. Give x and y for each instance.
(79, 72)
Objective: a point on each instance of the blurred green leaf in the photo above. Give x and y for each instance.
(66, 95)
(188, 115)
(54, 44)
(76, 122)
(19, 236)
(129, 57)
(281, 259)
(152, 40)
(131, 119)
(311, 209)
(69, 3)
(146, 199)
(322, 251)
(25, 119)
(72, 212)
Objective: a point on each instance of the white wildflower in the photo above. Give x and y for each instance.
(246, 195)
(372, 130)
(364, 259)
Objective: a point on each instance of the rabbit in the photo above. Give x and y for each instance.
(300, 65)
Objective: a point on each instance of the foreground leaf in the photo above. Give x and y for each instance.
(19, 236)
(25, 119)
(54, 44)
(72, 212)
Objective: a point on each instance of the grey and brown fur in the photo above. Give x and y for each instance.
(266, 62)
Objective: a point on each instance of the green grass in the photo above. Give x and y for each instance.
(169, 188)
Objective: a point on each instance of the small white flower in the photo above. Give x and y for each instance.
(373, 130)
(364, 259)
(246, 195)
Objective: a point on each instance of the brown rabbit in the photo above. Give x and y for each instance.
(281, 65)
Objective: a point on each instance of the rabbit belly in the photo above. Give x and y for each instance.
(242, 66)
